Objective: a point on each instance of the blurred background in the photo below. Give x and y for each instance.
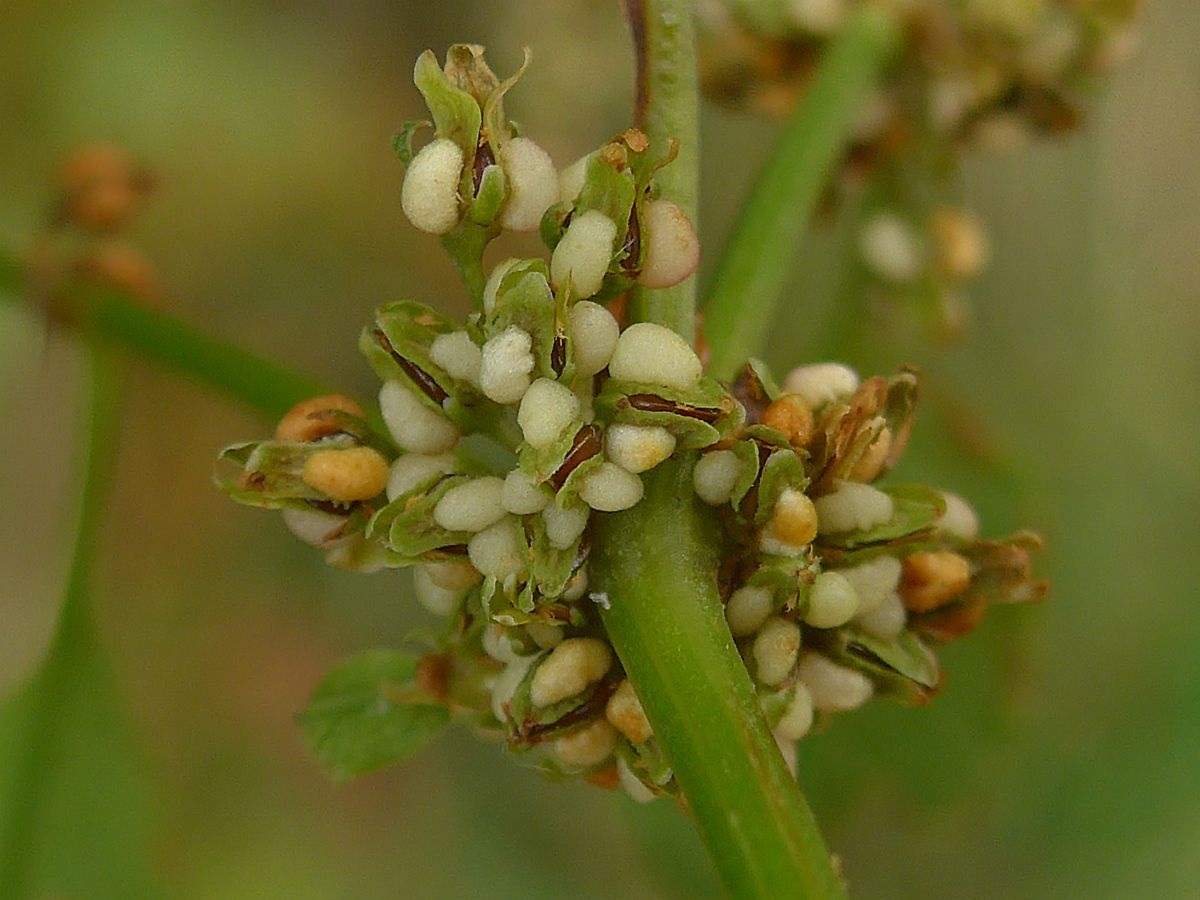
(1060, 760)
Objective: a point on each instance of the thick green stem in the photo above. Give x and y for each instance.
(655, 566)
(750, 276)
(668, 108)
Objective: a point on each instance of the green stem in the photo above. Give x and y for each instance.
(254, 380)
(668, 107)
(657, 566)
(750, 276)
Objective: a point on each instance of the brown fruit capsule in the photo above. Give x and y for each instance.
(357, 473)
(311, 419)
(930, 579)
(791, 416)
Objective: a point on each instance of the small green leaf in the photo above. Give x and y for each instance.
(456, 114)
(402, 142)
(367, 713)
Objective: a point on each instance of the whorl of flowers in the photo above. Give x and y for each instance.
(499, 440)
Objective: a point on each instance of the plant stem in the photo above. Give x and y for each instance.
(750, 276)
(668, 107)
(103, 314)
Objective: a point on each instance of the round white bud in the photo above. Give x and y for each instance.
(457, 354)
(834, 688)
(959, 520)
(572, 178)
(886, 620)
(831, 601)
(587, 747)
(569, 669)
(414, 470)
(775, 649)
(499, 551)
(632, 784)
(671, 247)
(653, 354)
(715, 475)
(853, 507)
(547, 411)
(438, 600)
(506, 684)
(429, 196)
(797, 719)
(584, 253)
(747, 609)
(821, 383)
(564, 526)
(315, 526)
(609, 488)
(504, 373)
(637, 448)
(873, 580)
(452, 574)
(594, 333)
(532, 184)
(471, 506)
(412, 424)
(498, 644)
(522, 495)
(890, 247)
(624, 711)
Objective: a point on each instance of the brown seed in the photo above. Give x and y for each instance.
(791, 416)
(930, 579)
(357, 473)
(868, 466)
(311, 419)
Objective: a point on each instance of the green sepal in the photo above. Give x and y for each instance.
(456, 114)
(748, 456)
(552, 567)
(554, 223)
(496, 127)
(490, 197)
(917, 509)
(903, 668)
(775, 702)
(413, 531)
(691, 433)
(369, 713)
(1002, 569)
(608, 188)
(524, 299)
(269, 472)
(402, 141)
(649, 762)
(782, 470)
(787, 577)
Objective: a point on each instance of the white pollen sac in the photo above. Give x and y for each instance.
(834, 688)
(797, 719)
(653, 354)
(452, 574)
(522, 495)
(747, 609)
(572, 178)
(429, 195)
(959, 519)
(532, 184)
(890, 248)
(564, 526)
(831, 601)
(873, 580)
(821, 383)
(504, 373)
(499, 551)
(632, 784)
(638, 448)
(853, 507)
(775, 649)
(569, 669)
(672, 249)
(506, 684)
(818, 16)
(547, 411)
(492, 287)
(435, 598)
(715, 475)
(471, 506)
(609, 488)
(594, 333)
(413, 471)
(589, 746)
(315, 526)
(457, 354)
(413, 425)
(584, 253)
(886, 620)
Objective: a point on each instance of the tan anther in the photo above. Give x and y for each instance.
(310, 419)
(961, 243)
(794, 520)
(791, 416)
(868, 466)
(933, 578)
(357, 473)
(624, 711)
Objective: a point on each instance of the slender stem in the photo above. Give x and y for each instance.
(668, 107)
(666, 619)
(750, 276)
(254, 380)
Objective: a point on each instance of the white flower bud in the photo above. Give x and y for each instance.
(564, 526)
(715, 475)
(522, 495)
(672, 249)
(584, 253)
(413, 425)
(775, 650)
(609, 488)
(498, 645)
(315, 526)
(890, 248)
(747, 609)
(638, 448)
(457, 354)
(818, 16)
(547, 411)
(853, 507)
(793, 519)
(412, 470)
(471, 506)
(577, 586)
(587, 747)
(831, 601)
(886, 620)
(452, 574)
(499, 551)
(821, 383)
(594, 333)
(355, 473)
(797, 719)
(632, 784)
(624, 711)
(572, 178)
(532, 184)
(653, 354)
(833, 688)
(873, 580)
(506, 684)
(429, 196)
(492, 287)
(504, 374)
(570, 668)
(435, 598)
(959, 520)
(545, 636)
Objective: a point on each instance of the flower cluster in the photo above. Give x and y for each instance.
(499, 440)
